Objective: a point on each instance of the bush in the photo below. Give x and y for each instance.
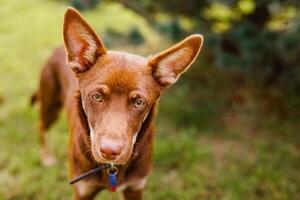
(84, 4)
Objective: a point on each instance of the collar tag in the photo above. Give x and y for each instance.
(112, 177)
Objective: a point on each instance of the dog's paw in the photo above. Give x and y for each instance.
(48, 159)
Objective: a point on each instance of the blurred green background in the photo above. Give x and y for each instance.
(229, 129)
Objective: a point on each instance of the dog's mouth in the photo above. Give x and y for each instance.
(111, 150)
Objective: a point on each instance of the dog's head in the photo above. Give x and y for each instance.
(118, 89)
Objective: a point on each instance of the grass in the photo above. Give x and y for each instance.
(189, 163)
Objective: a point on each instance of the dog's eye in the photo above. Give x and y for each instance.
(139, 103)
(98, 97)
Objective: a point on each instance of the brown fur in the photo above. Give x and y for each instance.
(109, 97)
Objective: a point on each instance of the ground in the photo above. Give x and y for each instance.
(189, 163)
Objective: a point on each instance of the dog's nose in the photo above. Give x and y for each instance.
(110, 150)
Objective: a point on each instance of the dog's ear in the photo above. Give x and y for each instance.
(82, 43)
(171, 63)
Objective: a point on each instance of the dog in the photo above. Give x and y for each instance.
(110, 98)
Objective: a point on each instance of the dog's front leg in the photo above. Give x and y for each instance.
(134, 189)
(132, 194)
(78, 197)
(85, 191)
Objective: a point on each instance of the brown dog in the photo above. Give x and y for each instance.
(110, 99)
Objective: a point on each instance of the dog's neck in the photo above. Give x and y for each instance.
(81, 113)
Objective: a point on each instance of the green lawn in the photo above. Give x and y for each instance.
(189, 164)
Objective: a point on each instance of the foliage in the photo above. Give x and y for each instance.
(135, 36)
(256, 42)
(84, 4)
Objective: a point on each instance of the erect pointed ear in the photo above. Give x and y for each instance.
(171, 63)
(82, 43)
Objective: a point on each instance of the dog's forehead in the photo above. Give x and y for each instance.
(121, 70)
(126, 58)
